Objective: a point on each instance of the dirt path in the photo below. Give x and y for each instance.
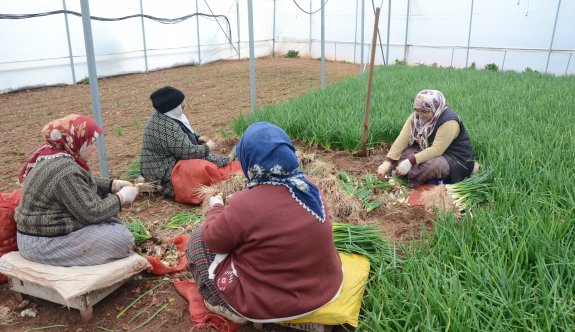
(215, 93)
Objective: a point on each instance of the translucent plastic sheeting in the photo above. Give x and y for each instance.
(513, 34)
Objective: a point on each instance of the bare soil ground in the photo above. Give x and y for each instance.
(216, 93)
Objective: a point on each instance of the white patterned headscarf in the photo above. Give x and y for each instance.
(428, 100)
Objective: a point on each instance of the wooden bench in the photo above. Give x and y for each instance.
(78, 287)
(84, 302)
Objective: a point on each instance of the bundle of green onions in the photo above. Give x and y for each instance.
(470, 192)
(356, 239)
(138, 230)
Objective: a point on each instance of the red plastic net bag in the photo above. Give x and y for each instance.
(8, 203)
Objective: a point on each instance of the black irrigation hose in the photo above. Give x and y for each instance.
(309, 12)
(105, 19)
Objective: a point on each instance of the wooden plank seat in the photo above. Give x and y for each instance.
(78, 287)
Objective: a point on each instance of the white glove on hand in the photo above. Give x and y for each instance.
(119, 184)
(127, 194)
(403, 167)
(216, 200)
(211, 144)
(384, 168)
(203, 139)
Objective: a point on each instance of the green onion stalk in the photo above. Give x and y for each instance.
(363, 240)
(138, 230)
(182, 219)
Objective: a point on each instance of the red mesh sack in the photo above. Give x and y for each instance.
(159, 268)
(201, 317)
(414, 199)
(8, 203)
(189, 175)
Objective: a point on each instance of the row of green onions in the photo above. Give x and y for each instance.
(471, 192)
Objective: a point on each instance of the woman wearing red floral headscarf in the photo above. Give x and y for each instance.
(66, 216)
(433, 144)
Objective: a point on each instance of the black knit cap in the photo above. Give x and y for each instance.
(166, 99)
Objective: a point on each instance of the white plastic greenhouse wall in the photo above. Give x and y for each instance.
(50, 50)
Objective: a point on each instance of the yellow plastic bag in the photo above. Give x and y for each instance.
(345, 309)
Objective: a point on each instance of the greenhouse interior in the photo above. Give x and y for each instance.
(287, 165)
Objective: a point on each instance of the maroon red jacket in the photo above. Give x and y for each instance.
(284, 258)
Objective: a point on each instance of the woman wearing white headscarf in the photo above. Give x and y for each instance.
(432, 145)
(168, 140)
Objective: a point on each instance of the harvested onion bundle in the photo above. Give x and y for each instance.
(470, 192)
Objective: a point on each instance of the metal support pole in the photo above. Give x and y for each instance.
(274, 33)
(252, 60)
(388, 31)
(69, 42)
(323, 45)
(406, 32)
(469, 33)
(355, 35)
(553, 36)
(144, 35)
(568, 62)
(504, 56)
(238, 19)
(198, 33)
(361, 68)
(310, 24)
(91, 59)
(451, 63)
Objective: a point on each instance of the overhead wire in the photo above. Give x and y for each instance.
(309, 12)
(230, 36)
(106, 19)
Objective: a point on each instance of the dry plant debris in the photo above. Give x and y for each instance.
(226, 188)
(8, 316)
(439, 198)
(167, 252)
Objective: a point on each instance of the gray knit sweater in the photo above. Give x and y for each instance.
(165, 142)
(60, 197)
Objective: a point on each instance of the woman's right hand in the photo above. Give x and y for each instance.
(216, 200)
(384, 168)
(211, 144)
(127, 194)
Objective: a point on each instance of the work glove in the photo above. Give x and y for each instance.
(403, 167)
(233, 154)
(216, 200)
(127, 194)
(119, 184)
(211, 144)
(384, 168)
(203, 139)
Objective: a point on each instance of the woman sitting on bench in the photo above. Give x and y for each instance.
(66, 216)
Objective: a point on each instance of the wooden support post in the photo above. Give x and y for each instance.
(363, 149)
